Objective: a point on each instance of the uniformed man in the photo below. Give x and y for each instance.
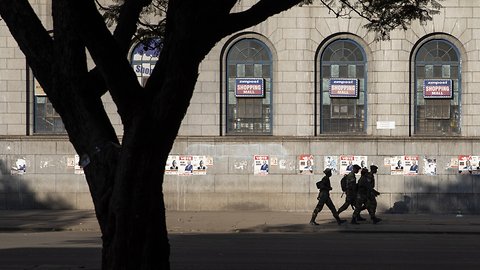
(323, 198)
(372, 196)
(366, 195)
(351, 192)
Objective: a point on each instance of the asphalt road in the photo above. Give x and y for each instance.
(250, 251)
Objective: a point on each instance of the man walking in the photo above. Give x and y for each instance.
(366, 195)
(324, 198)
(351, 192)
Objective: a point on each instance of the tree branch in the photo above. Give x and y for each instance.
(256, 14)
(32, 38)
(109, 57)
(127, 22)
(124, 31)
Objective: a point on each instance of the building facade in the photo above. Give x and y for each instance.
(297, 93)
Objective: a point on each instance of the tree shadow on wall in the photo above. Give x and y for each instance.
(432, 194)
(16, 192)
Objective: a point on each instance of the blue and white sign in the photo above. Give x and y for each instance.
(249, 87)
(440, 88)
(144, 57)
(343, 88)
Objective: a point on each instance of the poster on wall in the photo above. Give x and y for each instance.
(199, 165)
(171, 168)
(305, 164)
(185, 165)
(410, 165)
(475, 164)
(429, 166)
(260, 164)
(74, 162)
(331, 162)
(347, 162)
(20, 167)
(77, 168)
(396, 164)
(468, 164)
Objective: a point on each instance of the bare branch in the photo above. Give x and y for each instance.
(256, 14)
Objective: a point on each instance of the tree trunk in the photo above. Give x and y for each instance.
(125, 181)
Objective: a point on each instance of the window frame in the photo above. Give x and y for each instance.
(351, 118)
(266, 114)
(54, 116)
(451, 125)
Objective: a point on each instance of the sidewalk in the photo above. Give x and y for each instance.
(245, 222)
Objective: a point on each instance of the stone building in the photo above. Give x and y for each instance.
(298, 92)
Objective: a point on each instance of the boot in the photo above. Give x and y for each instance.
(340, 221)
(312, 220)
(375, 220)
(354, 220)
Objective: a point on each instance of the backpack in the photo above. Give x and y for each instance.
(319, 184)
(343, 183)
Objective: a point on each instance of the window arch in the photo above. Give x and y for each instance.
(437, 88)
(249, 88)
(343, 87)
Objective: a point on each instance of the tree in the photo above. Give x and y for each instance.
(125, 178)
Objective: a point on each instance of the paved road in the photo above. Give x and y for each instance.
(262, 251)
(50, 251)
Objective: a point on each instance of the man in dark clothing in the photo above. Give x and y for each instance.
(366, 195)
(351, 192)
(324, 198)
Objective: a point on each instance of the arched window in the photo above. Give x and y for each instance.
(144, 56)
(437, 88)
(249, 88)
(343, 99)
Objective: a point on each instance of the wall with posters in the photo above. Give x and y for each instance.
(430, 175)
(428, 155)
(270, 174)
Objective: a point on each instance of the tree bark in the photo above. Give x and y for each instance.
(125, 180)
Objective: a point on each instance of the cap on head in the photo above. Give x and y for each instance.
(327, 170)
(373, 167)
(355, 166)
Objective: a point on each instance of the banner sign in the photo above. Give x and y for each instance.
(249, 87)
(343, 88)
(437, 89)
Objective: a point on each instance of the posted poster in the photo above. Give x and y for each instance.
(171, 168)
(429, 166)
(185, 165)
(331, 162)
(77, 168)
(396, 164)
(347, 162)
(468, 164)
(410, 165)
(199, 165)
(475, 164)
(20, 167)
(74, 162)
(260, 165)
(305, 164)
